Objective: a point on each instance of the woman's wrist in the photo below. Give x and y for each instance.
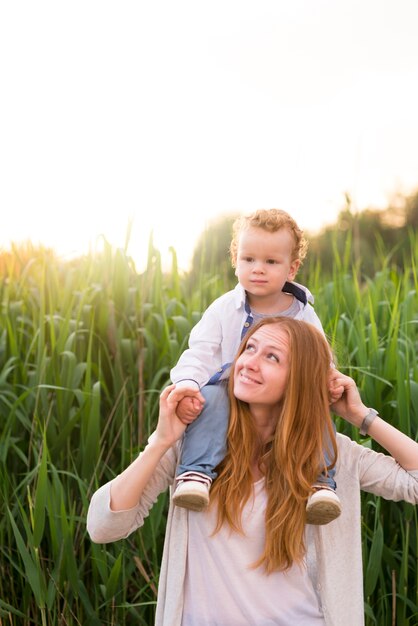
(357, 415)
(158, 443)
(367, 421)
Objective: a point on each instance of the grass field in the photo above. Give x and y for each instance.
(85, 347)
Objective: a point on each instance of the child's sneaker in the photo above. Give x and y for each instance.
(323, 506)
(192, 491)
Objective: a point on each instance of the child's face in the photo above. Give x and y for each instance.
(264, 261)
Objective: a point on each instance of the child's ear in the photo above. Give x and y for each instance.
(293, 269)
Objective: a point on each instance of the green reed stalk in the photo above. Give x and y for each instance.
(85, 348)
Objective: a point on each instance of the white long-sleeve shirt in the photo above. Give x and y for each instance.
(334, 558)
(215, 339)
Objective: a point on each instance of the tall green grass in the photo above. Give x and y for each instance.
(372, 323)
(85, 348)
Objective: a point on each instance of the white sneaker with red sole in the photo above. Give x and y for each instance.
(323, 507)
(192, 491)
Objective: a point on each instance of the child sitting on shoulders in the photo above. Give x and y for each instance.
(267, 250)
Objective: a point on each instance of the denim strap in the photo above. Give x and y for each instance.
(218, 375)
(287, 288)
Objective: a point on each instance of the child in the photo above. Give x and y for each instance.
(267, 250)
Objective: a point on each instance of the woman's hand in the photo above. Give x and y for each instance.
(170, 426)
(349, 404)
(127, 488)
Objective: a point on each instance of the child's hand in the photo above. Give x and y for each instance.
(171, 425)
(335, 388)
(349, 405)
(189, 408)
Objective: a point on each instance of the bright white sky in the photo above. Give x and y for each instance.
(173, 112)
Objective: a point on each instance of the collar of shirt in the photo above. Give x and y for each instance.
(300, 292)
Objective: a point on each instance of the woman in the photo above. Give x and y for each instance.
(250, 558)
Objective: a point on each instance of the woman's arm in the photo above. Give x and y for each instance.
(128, 487)
(350, 407)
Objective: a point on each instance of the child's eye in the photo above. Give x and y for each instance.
(272, 261)
(249, 259)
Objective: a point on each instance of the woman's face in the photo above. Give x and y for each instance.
(261, 372)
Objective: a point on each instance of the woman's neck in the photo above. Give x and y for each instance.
(265, 420)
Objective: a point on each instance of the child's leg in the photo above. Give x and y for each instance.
(204, 444)
(326, 479)
(204, 447)
(324, 505)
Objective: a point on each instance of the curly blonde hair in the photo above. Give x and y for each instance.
(270, 220)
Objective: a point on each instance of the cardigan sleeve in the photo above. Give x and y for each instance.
(379, 473)
(105, 525)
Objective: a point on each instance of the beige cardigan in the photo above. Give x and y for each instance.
(334, 557)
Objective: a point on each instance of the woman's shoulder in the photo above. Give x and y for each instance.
(347, 447)
(350, 454)
(356, 459)
(343, 441)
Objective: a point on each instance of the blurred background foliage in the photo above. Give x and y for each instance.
(85, 348)
(373, 234)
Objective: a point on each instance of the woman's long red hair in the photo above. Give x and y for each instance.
(292, 459)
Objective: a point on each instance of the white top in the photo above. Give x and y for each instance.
(333, 558)
(221, 587)
(215, 339)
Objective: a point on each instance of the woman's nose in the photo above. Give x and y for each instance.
(251, 361)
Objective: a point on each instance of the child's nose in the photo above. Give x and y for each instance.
(259, 266)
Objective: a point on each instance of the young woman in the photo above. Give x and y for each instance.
(251, 558)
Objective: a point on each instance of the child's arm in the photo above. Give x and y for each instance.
(203, 357)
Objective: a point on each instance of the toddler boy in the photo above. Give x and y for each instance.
(267, 250)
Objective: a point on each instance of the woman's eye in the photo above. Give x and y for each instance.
(273, 357)
(250, 347)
